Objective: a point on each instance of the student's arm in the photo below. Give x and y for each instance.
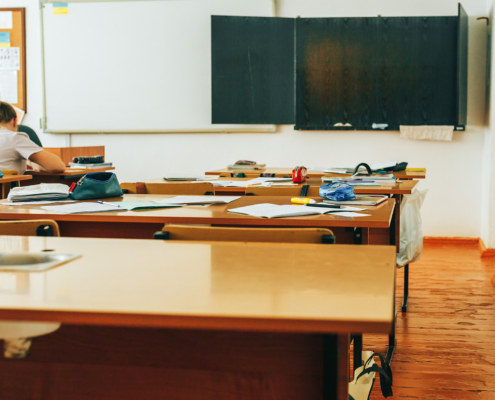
(48, 161)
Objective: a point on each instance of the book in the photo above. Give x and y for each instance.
(43, 191)
(183, 177)
(99, 165)
(268, 210)
(360, 200)
(255, 166)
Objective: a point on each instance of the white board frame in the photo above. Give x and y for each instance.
(43, 121)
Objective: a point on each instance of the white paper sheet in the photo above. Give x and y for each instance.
(8, 86)
(198, 199)
(33, 203)
(10, 58)
(6, 21)
(352, 214)
(80, 208)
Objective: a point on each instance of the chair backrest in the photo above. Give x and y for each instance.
(31, 133)
(194, 188)
(37, 227)
(296, 191)
(273, 191)
(269, 235)
(9, 172)
(133, 188)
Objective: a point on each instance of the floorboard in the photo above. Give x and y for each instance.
(446, 339)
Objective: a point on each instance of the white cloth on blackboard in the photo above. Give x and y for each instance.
(426, 132)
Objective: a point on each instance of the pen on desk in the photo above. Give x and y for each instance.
(323, 205)
(108, 204)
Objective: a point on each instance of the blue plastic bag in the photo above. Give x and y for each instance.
(337, 191)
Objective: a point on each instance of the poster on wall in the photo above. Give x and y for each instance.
(8, 86)
(10, 58)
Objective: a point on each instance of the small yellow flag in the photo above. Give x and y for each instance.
(60, 8)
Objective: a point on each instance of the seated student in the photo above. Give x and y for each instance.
(16, 148)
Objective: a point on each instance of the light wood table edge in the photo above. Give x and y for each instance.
(254, 324)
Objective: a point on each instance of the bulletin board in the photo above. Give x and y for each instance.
(13, 62)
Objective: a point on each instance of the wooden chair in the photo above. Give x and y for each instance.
(295, 191)
(37, 227)
(195, 188)
(268, 235)
(10, 172)
(190, 188)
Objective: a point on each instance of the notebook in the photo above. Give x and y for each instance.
(141, 205)
(360, 200)
(81, 208)
(185, 200)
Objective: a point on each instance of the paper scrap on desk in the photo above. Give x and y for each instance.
(198, 199)
(80, 208)
(142, 205)
(33, 203)
(60, 8)
(8, 86)
(352, 214)
(4, 39)
(6, 20)
(10, 58)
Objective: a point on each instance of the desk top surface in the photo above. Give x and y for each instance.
(71, 171)
(232, 286)
(405, 187)
(380, 216)
(282, 172)
(14, 178)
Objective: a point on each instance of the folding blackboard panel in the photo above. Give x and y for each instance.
(462, 66)
(252, 70)
(361, 71)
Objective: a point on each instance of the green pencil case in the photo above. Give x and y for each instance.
(96, 185)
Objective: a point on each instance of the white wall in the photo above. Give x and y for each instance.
(447, 211)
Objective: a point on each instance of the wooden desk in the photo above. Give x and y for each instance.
(379, 228)
(67, 177)
(6, 181)
(287, 172)
(156, 320)
(405, 187)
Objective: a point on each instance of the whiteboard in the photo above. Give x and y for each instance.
(134, 66)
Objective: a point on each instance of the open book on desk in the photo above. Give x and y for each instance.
(267, 210)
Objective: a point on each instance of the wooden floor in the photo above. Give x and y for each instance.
(446, 340)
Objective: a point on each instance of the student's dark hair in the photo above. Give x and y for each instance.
(7, 113)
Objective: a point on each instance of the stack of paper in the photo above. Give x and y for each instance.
(44, 191)
(185, 200)
(267, 210)
(350, 170)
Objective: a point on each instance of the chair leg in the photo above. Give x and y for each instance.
(406, 288)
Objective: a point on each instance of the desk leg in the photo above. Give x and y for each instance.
(335, 367)
(358, 338)
(394, 224)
